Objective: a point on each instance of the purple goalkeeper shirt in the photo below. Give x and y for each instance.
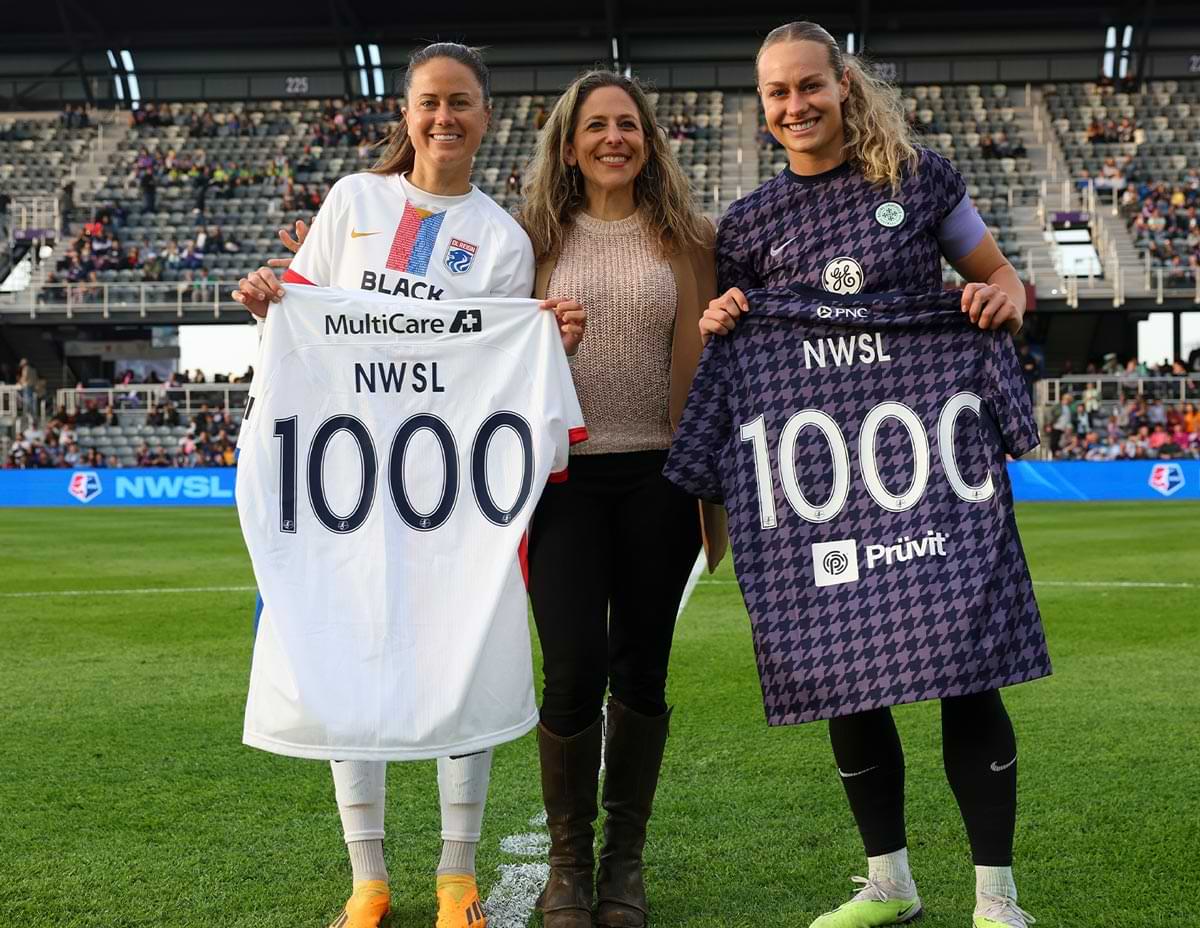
(858, 443)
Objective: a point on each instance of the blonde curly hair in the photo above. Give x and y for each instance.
(878, 139)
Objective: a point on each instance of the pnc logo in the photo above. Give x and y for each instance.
(843, 312)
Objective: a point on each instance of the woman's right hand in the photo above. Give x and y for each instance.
(723, 313)
(259, 289)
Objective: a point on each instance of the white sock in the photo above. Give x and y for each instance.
(995, 881)
(462, 790)
(366, 860)
(893, 867)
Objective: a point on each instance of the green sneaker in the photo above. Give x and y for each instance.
(1000, 912)
(879, 902)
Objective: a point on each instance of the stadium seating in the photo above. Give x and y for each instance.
(252, 136)
(36, 156)
(1161, 159)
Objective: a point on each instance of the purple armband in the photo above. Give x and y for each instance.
(961, 231)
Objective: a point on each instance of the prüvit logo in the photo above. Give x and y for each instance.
(85, 485)
(843, 312)
(907, 549)
(837, 562)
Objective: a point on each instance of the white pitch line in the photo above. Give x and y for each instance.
(1101, 584)
(169, 590)
(140, 591)
(511, 901)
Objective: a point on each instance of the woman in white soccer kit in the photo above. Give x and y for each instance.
(415, 227)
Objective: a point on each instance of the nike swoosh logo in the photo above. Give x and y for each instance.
(778, 250)
(904, 911)
(354, 234)
(857, 773)
(996, 768)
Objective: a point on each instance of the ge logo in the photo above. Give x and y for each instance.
(835, 562)
(842, 275)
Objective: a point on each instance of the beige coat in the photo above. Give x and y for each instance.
(696, 284)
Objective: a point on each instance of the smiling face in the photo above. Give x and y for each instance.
(608, 142)
(446, 115)
(802, 100)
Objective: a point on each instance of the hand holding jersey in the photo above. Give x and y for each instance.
(258, 289)
(388, 443)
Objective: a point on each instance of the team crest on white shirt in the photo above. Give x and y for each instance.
(460, 256)
(842, 275)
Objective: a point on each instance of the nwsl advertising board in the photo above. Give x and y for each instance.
(207, 486)
(1033, 481)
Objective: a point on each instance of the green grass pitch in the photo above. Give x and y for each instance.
(126, 797)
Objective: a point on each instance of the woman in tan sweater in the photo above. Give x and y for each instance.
(613, 226)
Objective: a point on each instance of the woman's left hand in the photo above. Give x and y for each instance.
(991, 308)
(572, 322)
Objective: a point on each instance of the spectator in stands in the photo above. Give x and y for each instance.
(1006, 148)
(27, 380)
(514, 179)
(202, 421)
(987, 146)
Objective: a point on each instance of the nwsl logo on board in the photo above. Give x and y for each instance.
(1166, 478)
(85, 485)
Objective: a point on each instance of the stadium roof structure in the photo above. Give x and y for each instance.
(231, 23)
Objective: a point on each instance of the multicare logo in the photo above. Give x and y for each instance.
(412, 245)
(1166, 478)
(85, 485)
(460, 256)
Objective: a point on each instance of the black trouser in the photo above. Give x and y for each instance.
(610, 551)
(979, 752)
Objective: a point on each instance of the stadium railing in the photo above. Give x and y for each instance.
(9, 400)
(102, 299)
(1114, 388)
(143, 397)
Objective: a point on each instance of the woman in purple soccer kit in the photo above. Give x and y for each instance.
(861, 209)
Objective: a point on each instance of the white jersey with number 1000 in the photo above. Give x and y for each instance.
(389, 463)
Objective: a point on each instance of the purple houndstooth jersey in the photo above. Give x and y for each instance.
(858, 443)
(837, 232)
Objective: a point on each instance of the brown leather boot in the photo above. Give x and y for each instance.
(633, 756)
(570, 772)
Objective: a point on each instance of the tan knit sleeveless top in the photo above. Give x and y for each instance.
(622, 371)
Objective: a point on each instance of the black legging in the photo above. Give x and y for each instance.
(610, 551)
(979, 751)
